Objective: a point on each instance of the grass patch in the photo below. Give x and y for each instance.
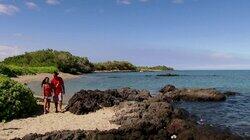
(32, 70)
(13, 71)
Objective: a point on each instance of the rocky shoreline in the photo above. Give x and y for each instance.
(143, 116)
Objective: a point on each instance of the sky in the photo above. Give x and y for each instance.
(184, 34)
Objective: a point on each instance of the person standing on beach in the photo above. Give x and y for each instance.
(47, 94)
(59, 90)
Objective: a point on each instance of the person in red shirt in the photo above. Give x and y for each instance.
(47, 94)
(59, 90)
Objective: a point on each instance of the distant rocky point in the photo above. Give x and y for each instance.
(209, 94)
(168, 75)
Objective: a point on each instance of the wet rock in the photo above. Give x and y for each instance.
(208, 133)
(231, 93)
(168, 88)
(170, 91)
(180, 113)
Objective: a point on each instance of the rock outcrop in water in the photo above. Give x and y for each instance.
(168, 75)
(210, 94)
(140, 116)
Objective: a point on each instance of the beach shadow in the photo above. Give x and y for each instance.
(39, 110)
(11, 129)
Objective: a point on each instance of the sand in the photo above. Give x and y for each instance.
(39, 77)
(58, 121)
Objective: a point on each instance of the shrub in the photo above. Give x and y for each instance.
(5, 70)
(16, 100)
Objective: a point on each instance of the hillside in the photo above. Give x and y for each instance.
(114, 66)
(62, 60)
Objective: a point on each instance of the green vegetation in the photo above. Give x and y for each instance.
(114, 66)
(16, 100)
(126, 66)
(13, 71)
(154, 68)
(5, 70)
(47, 60)
(32, 70)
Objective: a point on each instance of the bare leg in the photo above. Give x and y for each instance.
(60, 106)
(45, 106)
(60, 102)
(48, 106)
(56, 106)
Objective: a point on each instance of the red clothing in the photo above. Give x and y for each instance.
(47, 90)
(57, 83)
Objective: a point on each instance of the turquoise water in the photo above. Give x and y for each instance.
(233, 113)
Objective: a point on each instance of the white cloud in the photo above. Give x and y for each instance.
(126, 2)
(6, 51)
(6, 9)
(224, 56)
(31, 5)
(52, 2)
(178, 1)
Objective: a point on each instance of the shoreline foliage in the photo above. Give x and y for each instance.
(16, 100)
(154, 68)
(114, 66)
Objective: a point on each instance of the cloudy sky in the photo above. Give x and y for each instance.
(185, 34)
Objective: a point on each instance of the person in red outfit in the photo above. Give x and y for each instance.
(47, 94)
(59, 91)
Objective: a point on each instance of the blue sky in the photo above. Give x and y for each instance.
(185, 34)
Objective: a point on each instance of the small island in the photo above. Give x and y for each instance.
(153, 68)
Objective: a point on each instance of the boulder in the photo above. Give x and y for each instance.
(168, 88)
(133, 94)
(86, 101)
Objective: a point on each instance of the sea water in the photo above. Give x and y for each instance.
(234, 113)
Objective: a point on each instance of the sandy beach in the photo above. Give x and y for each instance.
(39, 77)
(58, 121)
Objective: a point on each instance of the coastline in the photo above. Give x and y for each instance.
(121, 71)
(39, 77)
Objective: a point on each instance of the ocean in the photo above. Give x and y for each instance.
(234, 113)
